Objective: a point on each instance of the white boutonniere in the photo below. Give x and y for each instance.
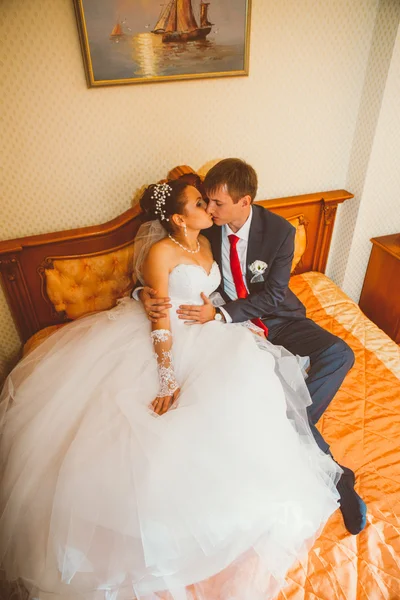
(258, 267)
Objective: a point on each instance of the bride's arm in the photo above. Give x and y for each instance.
(156, 272)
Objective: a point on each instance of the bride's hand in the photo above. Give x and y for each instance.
(255, 330)
(260, 334)
(163, 403)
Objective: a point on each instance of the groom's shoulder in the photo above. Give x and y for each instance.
(270, 219)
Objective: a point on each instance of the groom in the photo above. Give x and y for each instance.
(254, 249)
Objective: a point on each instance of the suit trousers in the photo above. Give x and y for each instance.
(330, 360)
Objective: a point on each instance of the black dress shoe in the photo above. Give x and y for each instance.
(353, 508)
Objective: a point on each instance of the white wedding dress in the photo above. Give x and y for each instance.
(103, 500)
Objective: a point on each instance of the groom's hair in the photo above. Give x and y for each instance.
(239, 177)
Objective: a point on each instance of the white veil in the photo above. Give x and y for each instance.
(149, 233)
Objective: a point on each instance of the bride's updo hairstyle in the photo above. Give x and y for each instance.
(162, 200)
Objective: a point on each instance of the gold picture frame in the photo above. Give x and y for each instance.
(148, 42)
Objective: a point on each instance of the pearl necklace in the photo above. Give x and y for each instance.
(183, 247)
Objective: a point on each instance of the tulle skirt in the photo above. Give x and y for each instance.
(103, 500)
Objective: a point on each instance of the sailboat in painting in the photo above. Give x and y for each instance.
(177, 22)
(116, 32)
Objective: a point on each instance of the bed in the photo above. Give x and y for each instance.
(53, 278)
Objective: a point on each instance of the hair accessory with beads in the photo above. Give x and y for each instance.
(160, 193)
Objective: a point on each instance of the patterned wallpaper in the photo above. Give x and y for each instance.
(379, 212)
(73, 156)
(372, 174)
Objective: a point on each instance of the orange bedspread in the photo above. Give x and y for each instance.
(363, 427)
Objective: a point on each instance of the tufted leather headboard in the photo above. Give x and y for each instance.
(52, 278)
(81, 285)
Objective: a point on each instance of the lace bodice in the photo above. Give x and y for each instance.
(186, 282)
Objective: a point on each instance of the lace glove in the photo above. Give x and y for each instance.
(253, 328)
(162, 341)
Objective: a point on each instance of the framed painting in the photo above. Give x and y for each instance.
(146, 41)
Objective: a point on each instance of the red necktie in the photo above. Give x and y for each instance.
(238, 278)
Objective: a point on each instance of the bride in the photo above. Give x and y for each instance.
(156, 460)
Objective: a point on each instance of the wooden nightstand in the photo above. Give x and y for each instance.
(380, 296)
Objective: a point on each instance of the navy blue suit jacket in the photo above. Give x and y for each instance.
(271, 239)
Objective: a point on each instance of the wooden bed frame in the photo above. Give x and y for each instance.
(24, 260)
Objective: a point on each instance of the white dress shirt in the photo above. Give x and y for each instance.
(243, 235)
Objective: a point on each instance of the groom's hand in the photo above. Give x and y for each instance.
(154, 306)
(195, 314)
